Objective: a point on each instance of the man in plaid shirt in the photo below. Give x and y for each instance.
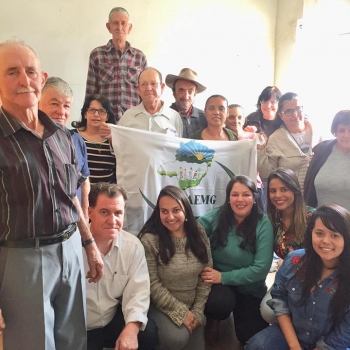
(114, 68)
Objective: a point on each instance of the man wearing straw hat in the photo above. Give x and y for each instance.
(185, 86)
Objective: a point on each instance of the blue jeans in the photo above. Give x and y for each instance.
(269, 338)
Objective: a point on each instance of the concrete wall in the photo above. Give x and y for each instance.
(230, 43)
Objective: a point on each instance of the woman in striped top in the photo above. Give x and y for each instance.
(102, 164)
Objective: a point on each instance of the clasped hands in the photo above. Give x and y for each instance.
(190, 322)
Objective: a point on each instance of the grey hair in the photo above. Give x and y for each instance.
(59, 85)
(18, 42)
(118, 10)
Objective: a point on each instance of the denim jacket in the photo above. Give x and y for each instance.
(312, 321)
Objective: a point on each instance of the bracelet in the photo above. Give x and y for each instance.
(87, 242)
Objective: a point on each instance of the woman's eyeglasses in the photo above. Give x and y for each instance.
(101, 112)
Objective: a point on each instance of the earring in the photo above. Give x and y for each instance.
(186, 219)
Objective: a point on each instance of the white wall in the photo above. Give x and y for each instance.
(230, 43)
(288, 14)
(314, 61)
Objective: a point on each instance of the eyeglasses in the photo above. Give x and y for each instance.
(101, 112)
(153, 85)
(290, 111)
(268, 102)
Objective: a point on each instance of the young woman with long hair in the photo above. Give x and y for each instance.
(311, 293)
(287, 211)
(241, 238)
(289, 216)
(177, 249)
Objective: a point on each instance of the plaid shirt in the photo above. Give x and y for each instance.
(114, 74)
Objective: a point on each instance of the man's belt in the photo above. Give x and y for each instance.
(41, 241)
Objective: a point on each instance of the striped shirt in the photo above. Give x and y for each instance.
(38, 179)
(114, 74)
(101, 161)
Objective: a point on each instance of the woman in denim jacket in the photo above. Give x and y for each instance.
(311, 293)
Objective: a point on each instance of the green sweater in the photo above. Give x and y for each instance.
(239, 267)
(197, 135)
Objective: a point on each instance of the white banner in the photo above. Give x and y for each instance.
(148, 161)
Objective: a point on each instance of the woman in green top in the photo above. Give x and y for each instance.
(241, 238)
(216, 112)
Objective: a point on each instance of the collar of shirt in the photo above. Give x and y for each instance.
(115, 244)
(9, 124)
(187, 114)
(144, 111)
(110, 47)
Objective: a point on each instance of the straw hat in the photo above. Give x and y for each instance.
(186, 74)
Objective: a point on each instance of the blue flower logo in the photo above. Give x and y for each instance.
(194, 152)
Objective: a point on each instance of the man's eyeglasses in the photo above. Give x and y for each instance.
(101, 112)
(290, 111)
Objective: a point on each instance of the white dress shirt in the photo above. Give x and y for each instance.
(125, 280)
(165, 121)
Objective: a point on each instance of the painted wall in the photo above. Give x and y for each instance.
(313, 61)
(230, 43)
(288, 14)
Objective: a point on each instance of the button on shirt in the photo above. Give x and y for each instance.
(125, 277)
(38, 179)
(312, 321)
(114, 74)
(165, 121)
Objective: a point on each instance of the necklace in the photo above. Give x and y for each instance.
(97, 144)
(98, 147)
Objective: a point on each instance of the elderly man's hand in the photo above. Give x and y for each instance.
(2, 322)
(95, 263)
(105, 132)
(127, 339)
